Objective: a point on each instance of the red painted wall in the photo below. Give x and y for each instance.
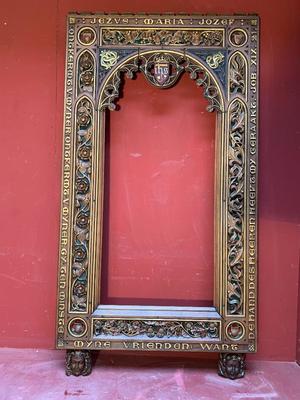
(32, 41)
(298, 327)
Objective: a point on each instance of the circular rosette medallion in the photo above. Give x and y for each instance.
(238, 37)
(77, 327)
(86, 36)
(235, 330)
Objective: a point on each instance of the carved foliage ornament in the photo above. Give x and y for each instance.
(174, 65)
(237, 74)
(235, 238)
(84, 130)
(86, 70)
(157, 329)
(112, 86)
(108, 58)
(163, 37)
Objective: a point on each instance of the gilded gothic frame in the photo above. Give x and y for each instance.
(220, 53)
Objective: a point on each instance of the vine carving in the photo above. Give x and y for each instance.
(112, 87)
(159, 37)
(157, 328)
(237, 74)
(84, 125)
(177, 64)
(235, 215)
(86, 70)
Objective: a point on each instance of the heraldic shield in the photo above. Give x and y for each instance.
(161, 70)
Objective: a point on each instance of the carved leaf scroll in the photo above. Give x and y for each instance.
(163, 37)
(237, 74)
(157, 328)
(112, 86)
(84, 131)
(202, 78)
(235, 215)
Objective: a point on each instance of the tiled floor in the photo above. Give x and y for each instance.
(39, 375)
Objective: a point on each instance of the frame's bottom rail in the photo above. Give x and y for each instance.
(155, 345)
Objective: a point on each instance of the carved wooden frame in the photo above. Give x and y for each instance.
(221, 54)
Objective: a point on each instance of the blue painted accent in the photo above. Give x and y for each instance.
(220, 72)
(122, 53)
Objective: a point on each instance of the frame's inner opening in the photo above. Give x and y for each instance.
(158, 230)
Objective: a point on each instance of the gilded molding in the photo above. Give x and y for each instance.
(110, 91)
